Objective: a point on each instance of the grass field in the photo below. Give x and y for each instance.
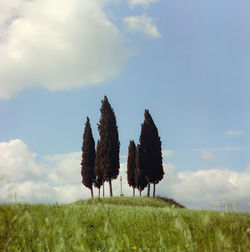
(121, 224)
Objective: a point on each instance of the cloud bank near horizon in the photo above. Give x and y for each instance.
(57, 45)
(57, 178)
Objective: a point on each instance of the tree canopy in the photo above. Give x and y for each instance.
(98, 169)
(140, 178)
(151, 148)
(88, 157)
(109, 143)
(131, 165)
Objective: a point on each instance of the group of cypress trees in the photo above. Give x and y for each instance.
(144, 164)
(102, 164)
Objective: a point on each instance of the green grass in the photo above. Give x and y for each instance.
(132, 201)
(121, 224)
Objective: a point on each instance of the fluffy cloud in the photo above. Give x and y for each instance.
(65, 168)
(17, 162)
(57, 44)
(234, 133)
(9, 10)
(57, 179)
(202, 188)
(144, 3)
(143, 24)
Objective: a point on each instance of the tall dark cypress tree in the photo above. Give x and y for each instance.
(98, 170)
(88, 158)
(140, 178)
(131, 166)
(151, 148)
(109, 143)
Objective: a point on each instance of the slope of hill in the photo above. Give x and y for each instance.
(121, 224)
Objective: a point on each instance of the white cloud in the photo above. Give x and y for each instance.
(17, 162)
(207, 155)
(144, 3)
(234, 133)
(57, 45)
(57, 179)
(66, 168)
(9, 10)
(200, 189)
(143, 24)
(167, 153)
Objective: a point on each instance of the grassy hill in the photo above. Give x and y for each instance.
(132, 201)
(121, 224)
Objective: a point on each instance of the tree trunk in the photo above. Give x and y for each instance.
(148, 190)
(110, 188)
(140, 192)
(154, 190)
(92, 195)
(103, 191)
(99, 189)
(133, 192)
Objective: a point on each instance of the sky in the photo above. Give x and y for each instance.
(187, 61)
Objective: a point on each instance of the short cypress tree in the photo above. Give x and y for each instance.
(151, 147)
(140, 178)
(131, 166)
(109, 143)
(88, 158)
(98, 170)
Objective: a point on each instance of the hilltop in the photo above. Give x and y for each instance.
(158, 202)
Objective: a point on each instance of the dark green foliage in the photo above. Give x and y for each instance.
(131, 166)
(140, 178)
(98, 169)
(151, 146)
(109, 143)
(88, 157)
(98, 182)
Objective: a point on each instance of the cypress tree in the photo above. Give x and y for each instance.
(131, 166)
(140, 178)
(88, 158)
(109, 143)
(151, 147)
(98, 170)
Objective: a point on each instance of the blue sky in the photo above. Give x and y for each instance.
(186, 61)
